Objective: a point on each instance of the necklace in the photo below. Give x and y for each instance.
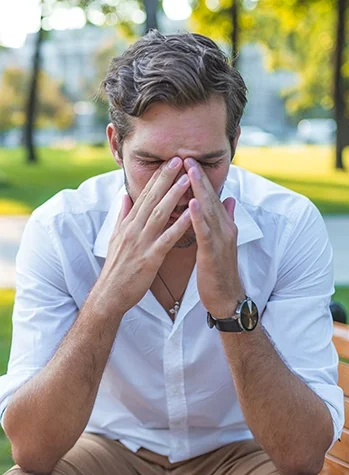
(174, 310)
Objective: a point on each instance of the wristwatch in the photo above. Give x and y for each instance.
(245, 318)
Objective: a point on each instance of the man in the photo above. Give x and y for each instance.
(173, 317)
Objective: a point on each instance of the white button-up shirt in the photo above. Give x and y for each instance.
(167, 386)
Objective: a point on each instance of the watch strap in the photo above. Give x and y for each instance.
(224, 324)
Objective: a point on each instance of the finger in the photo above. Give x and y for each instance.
(126, 206)
(204, 192)
(229, 205)
(137, 204)
(200, 226)
(172, 235)
(162, 212)
(157, 191)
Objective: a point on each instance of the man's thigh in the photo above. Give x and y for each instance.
(239, 458)
(96, 455)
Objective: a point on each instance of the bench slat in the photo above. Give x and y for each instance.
(346, 409)
(340, 450)
(341, 330)
(343, 377)
(341, 345)
(334, 467)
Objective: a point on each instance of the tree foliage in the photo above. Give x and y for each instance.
(298, 35)
(54, 108)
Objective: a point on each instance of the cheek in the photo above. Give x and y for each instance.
(138, 175)
(217, 177)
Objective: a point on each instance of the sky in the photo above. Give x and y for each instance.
(20, 17)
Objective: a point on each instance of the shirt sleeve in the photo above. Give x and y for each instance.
(298, 317)
(43, 310)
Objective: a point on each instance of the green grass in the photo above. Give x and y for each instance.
(307, 170)
(24, 187)
(6, 304)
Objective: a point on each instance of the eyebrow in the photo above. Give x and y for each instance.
(205, 156)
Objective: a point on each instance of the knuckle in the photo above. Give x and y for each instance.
(129, 234)
(212, 214)
(153, 198)
(207, 236)
(166, 239)
(157, 214)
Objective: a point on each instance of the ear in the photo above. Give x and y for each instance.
(113, 143)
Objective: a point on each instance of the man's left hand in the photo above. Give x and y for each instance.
(218, 280)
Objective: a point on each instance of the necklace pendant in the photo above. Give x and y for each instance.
(174, 310)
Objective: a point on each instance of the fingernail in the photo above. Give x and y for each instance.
(195, 172)
(191, 162)
(195, 205)
(183, 180)
(174, 162)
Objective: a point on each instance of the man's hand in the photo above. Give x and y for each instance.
(219, 285)
(139, 243)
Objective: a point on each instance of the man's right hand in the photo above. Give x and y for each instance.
(140, 240)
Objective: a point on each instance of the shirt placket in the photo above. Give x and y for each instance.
(175, 395)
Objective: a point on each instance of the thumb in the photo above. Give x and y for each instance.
(229, 205)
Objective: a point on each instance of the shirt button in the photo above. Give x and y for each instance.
(175, 390)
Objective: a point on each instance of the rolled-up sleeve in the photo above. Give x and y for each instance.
(298, 317)
(43, 311)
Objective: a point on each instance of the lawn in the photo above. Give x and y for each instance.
(6, 303)
(307, 170)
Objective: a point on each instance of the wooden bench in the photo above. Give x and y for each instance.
(337, 459)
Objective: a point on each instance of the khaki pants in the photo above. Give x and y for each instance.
(96, 455)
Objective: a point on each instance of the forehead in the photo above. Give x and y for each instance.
(172, 131)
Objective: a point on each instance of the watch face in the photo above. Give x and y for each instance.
(249, 315)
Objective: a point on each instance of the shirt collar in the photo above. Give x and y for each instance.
(248, 229)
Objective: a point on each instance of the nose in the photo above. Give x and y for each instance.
(188, 195)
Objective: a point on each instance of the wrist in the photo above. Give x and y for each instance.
(100, 304)
(228, 309)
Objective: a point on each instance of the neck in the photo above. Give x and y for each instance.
(179, 258)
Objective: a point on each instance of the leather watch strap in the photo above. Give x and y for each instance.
(224, 324)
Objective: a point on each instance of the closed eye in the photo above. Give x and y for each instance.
(150, 162)
(211, 165)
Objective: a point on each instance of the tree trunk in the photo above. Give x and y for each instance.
(339, 99)
(32, 101)
(151, 7)
(235, 31)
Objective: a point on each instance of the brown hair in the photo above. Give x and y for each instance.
(181, 70)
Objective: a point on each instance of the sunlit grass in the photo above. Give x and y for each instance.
(12, 207)
(307, 170)
(6, 304)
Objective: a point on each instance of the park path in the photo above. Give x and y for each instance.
(11, 229)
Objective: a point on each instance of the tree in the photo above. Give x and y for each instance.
(339, 85)
(235, 8)
(309, 37)
(32, 99)
(304, 36)
(106, 9)
(53, 107)
(151, 8)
